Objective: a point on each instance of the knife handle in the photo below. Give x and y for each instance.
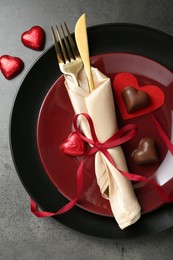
(90, 79)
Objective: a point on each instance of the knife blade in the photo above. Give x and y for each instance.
(82, 44)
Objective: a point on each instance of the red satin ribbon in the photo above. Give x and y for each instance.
(125, 134)
(162, 133)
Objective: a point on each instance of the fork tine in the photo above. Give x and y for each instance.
(66, 58)
(72, 43)
(70, 54)
(57, 49)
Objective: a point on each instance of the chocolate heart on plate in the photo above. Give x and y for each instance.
(155, 94)
(134, 99)
(74, 145)
(10, 66)
(34, 38)
(146, 152)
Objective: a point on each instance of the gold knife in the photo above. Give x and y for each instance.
(82, 44)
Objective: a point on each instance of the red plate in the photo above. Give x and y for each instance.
(55, 124)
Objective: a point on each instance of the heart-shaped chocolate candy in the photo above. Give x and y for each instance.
(34, 38)
(156, 95)
(74, 145)
(146, 153)
(10, 66)
(134, 99)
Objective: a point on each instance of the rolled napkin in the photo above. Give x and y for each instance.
(99, 104)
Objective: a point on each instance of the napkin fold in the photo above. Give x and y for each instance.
(99, 104)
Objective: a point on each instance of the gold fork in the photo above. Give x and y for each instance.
(69, 59)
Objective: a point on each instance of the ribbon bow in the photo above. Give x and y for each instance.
(123, 135)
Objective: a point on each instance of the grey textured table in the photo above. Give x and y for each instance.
(22, 235)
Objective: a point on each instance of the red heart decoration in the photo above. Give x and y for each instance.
(34, 38)
(74, 145)
(123, 80)
(10, 66)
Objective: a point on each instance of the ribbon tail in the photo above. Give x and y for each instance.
(162, 133)
(43, 214)
(69, 205)
(139, 178)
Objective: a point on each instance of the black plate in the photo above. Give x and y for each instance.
(102, 39)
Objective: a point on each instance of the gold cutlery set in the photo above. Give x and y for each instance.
(71, 59)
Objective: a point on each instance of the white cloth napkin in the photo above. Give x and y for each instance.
(99, 104)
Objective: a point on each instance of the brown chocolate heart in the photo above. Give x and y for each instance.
(134, 99)
(146, 153)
